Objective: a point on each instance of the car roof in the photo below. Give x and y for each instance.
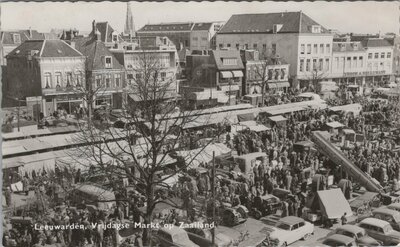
(291, 220)
(340, 238)
(385, 211)
(375, 222)
(350, 228)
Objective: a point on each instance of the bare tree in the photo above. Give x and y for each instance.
(155, 116)
(315, 77)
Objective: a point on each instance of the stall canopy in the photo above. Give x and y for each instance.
(277, 119)
(333, 204)
(334, 125)
(254, 126)
(193, 158)
(246, 117)
(348, 131)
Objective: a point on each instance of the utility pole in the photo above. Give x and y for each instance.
(18, 114)
(213, 197)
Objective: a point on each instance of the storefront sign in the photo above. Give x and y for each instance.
(364, 73)
(68, 97)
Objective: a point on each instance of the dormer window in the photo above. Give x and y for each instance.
(17, 38)
(277, 28)
(115, 37)
(108, 62)
(316, 29)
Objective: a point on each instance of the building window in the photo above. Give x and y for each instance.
(389, 55)
(78, 76)
(309, 49)
(237, 46)
(221, 46)
(361, 59)
(301, 65)
(186, 42)
(273, 49)
(246, 46)
(229, 61)
(355, 62)
(326, 64)
(228, 45)
(264, 47)
(314, 61)
(321, 48)
(17, 38)
(376, 55)
(98, 81)
(255, 46)
(308, 64)
(348, 62)
(163, 75)
(69, 79)
(58, 79)
(108, 62)
(115, 38)
(382, 55)
(369, 55)
(138, 76)
(302, 49)
(315, 49)
(117, 78)
(328, 48)
(320, 64)
(337, 62)
(107, 79)
(47, 80)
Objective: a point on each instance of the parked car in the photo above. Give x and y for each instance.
(289, 230)
(174, 236)
(265, 205)
(203, 237)
(389, 215)
(358, 234)
(381, 231)
(339, 240)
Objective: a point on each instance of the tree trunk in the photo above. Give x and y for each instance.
(148, 218)
(262, 93)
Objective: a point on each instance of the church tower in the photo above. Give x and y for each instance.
(129, 24)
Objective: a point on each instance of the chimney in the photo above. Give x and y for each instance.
(30, 32)
(94, 26)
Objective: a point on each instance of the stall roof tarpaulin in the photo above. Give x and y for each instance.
(197, 156)
(335, 125)
(333, 203)
(278, 118)
(246, 117)
(254, 126)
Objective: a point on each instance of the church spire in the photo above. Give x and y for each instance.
(129, 24)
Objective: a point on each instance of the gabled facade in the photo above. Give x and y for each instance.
(294, 36)
(46, 74)
(104, 74)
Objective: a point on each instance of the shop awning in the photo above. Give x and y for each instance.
(333, 203)
(237, 73)
(278, 84)
(226, 74)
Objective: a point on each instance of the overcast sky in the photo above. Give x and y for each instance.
(360, 17)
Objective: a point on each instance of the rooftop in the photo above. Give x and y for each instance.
(177, 26)
(347, 46)
(292, 22)
(45, 48)
(376, 42)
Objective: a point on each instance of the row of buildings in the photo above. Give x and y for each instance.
(212, 63)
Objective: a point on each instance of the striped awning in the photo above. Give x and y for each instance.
(226, 74)
(237, 73)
